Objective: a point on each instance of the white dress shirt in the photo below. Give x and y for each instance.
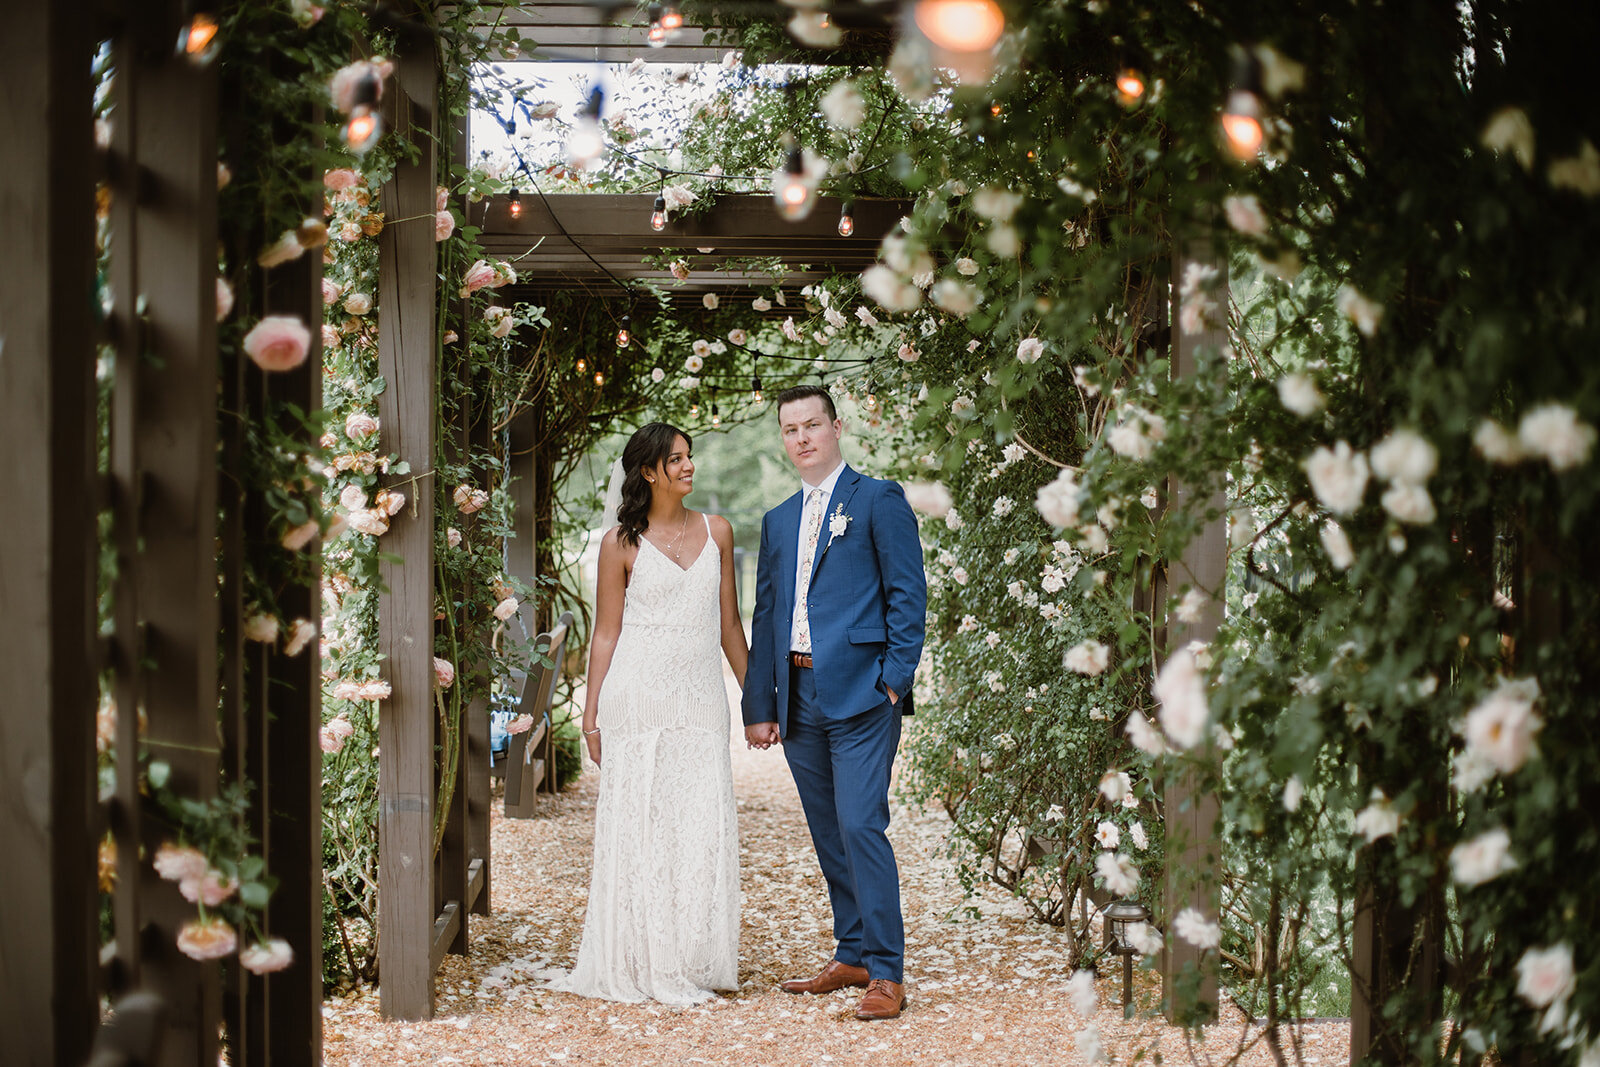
(826, 485)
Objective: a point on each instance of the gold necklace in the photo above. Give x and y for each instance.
(673, 547)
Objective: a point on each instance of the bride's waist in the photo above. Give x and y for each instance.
(675, 624)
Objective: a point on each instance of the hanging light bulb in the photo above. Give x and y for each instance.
(871, 403)
(197, 40)
(716, 416)
(514, 204)
(1130, 86)
(960, 25)
(599, 377)
(658, 214)
(657, 37)
(364, 127)
(995, 109)
(756, 395)
(847, 219)
(583, 365)
(1241, 115)
(624, 333)
(671, 17)
(694, 409)
(587, 143)
(790, 189)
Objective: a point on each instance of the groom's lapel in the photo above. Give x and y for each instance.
(843, 490)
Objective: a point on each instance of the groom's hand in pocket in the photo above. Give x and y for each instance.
(761, 735)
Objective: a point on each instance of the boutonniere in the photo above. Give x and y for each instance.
(839, 523)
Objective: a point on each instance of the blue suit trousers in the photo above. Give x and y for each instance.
(841, 769)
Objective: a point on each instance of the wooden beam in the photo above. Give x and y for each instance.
(1193, 841)
(408, 265)
(47, 819)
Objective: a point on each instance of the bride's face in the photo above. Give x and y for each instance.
(675, 474)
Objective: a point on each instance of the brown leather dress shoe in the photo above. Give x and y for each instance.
(884, 1000)
(835, 975)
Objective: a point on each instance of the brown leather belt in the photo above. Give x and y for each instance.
(800, 659)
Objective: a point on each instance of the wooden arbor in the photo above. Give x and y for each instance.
(170, 493)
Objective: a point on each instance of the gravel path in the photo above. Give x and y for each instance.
(985, 985)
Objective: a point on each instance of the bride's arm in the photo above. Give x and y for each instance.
(733, 642)
(611, 578)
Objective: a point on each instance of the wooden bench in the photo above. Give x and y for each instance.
(530, 764)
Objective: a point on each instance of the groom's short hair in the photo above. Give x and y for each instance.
(801, 392)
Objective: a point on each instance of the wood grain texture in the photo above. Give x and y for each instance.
(47, 823)
(408, 257)
(1193, 840)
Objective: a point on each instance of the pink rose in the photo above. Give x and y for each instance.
(500, 321)
(389, 501)
(350, 231)
(376, 690)
(340, 727)
(441, 198)
(358, 424)
(506, 608)
(468, 499)
(450, 337)
(209, 889)
(329, 742)
(178, 863)
(478, 275)
(262, 627)
(267, 956)
(504, 274)
(738, 337)
(300, 635)
(342, 86)
(343, 178)
(444, 224)
(278, 342)
(287, 247)
(301, 536)
(369, 521)
(331, 291)
(453, 537)
(206, 939)
(521, 724)
(224, 299)
(358, 303)
(444, 673)
(330, 339)
(680, 270)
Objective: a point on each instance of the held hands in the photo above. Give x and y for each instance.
(761, 735)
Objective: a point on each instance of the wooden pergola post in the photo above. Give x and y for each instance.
(408, 268)
(1193, 842)
(47, 818)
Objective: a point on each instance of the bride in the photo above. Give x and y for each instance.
(663, 914)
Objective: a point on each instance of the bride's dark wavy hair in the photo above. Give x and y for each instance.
(647, 449)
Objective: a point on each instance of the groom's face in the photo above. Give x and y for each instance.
(809, 436)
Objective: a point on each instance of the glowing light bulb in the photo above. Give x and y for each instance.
(694, 410)
(658, 214)
(363, 129)
(756, 395)
(583, 365)
(847, 219)
(671, 18)
(871, 403)
(657, 37)
(716, 416)
(1241, 125)
(197, 41)
(1130, 87)
(960, 25)
(624, 334)
(790, 189)
(994, 109)
(514, 204)
(599, 377)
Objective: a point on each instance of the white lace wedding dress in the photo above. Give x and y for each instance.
(663, 915)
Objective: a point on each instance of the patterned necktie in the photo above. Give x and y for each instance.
(802, 587)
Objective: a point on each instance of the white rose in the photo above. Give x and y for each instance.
(1057, 500)
(1299, 394)
(1497, 444)
(1508, 130)
(1245, 215)
(1080, 992)
(890, 291)
(1087, 657)
(958, 298)
(1338, 477)
(843, 106)
(1293, 791)
(1483, 858)
(1180, 689)
(1360, 310)
(1193, 928)
(930, 498)
(1404, 456)
(1409, 503)
(1544, 975)
(1118, 872)
(1378, 818)
(1029, 349)
(1337, 544)
(1500, 729)
(1108, 835)
(1555, 432)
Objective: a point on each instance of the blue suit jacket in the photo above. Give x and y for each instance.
(867, 604)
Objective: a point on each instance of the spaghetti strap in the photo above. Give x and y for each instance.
(706, 517)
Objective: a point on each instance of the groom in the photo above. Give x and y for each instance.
(835, 640)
